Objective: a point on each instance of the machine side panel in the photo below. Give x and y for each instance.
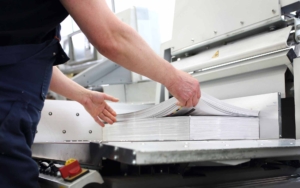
(66, 121)
(199, 21)
(297, 95)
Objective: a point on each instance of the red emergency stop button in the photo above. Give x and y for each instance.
(72, 170)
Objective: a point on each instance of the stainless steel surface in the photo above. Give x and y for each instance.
(142, 153)
(64, 151)
(47, 181)
(297, 95)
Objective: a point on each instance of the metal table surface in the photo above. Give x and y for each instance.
(143, 153)
(163, 152)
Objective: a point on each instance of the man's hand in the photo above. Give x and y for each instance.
(94, 103)
(185, 89)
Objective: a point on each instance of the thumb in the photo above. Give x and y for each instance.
(110, 98)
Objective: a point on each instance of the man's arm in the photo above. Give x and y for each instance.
(120, 43)
(94, 102)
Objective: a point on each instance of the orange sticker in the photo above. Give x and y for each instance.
(216, 54)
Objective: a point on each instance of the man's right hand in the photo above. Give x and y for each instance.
(185, 89)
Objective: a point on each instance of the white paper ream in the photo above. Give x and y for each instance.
(207, 106)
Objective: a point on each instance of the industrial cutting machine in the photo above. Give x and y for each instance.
(242, 52)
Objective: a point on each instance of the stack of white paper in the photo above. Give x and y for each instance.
(210, 119)
(208, 106)
(184, 128)
(225, 128)
(170, 128)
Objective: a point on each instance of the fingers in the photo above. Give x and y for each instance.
(110, 110)
(105, 118)
(189, 103)
(97, 119)
(192, 101)
(110, 98)
(109, 115)
(195, 100)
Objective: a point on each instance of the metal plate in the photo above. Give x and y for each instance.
(143, 153)
(64, 151)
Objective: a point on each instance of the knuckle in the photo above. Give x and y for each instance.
(186, 97)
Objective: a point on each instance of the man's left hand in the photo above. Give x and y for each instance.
(94, 103)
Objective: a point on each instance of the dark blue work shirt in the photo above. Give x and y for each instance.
(24, 23)
(29, 21)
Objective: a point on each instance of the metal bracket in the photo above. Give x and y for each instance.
(297, 29)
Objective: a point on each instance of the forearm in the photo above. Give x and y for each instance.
(66, 87)
(133, 53)
(117, 41)
(123, 45)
